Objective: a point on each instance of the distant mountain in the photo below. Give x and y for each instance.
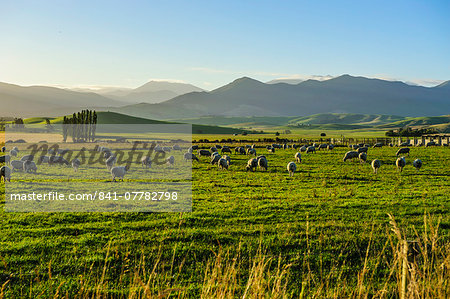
(299, 80)
(154, 92)
(20, 101)
(343, 94)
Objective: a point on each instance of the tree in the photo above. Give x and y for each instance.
(323, 134)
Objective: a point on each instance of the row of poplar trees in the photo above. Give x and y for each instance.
(81, 126)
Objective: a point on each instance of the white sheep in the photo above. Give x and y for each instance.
(251, 151)
(291, 167)
(400, 163)
(417, 164)
(44, 159)
(176, 147)
(362, 157)
(119, 172)
(76, 164)
(252, 164)
(222, 164)
(303, 148)
(215, 159)
(16, 165)
(362, 149)
(350, 155)
(311, 149)
(376, 164)
(5, 174)
(298, 157)
(13, 153)
(29, 166)
(403, 150)
(15, 149)
(262, 163)
(330, 147)
(146, 161)
(170, 160)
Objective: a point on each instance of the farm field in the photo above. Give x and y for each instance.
(325, 232)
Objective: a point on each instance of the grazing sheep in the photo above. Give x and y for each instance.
(5, 159)
(13, 153)
(110, 162)
(204, 153)
(376, 164)
(379, 144)
(291, 167)
(27, 158)
(213, 149)
(17, 165)
(119, 172)
(262, 163)
(226, 149)
(362, 149)
(3, 149)
(190, 156)
(43, 159)
(311, 149)
(271, 150)
(323, 146)
(251, 151)
(400, 163)
(295, 146)
(227, 158)
(350, 155)
(354, 146)
(176, 147)
(403, 150)
(222, 164)
(195, 147)
(362, 157)
(303, 148)
(76, 164)
(146, 161)
(252, 164)
(214, 154)
(29, 166)
(253, 145)
(167, 149)
(16, 149)
(218, 146)
(298, 157)
(215, 158)
(170, 160)
(190, 150)
(247, 146)
(330, 147)
(417, 164)
(5, 174)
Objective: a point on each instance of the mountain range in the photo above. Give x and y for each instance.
(240, 98)
(343, 94)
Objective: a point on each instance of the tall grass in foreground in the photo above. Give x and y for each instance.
(403, 268)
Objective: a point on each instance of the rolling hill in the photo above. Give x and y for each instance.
(20, 101)
(344, 94)
(117, 118)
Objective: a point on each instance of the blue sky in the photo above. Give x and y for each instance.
(210, 43)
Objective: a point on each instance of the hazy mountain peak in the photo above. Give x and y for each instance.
(445, 84)
(176, 87)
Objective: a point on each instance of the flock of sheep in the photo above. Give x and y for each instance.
(359, 151)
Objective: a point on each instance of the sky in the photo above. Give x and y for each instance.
(211, 43)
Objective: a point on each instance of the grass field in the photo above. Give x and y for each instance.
(325, 232)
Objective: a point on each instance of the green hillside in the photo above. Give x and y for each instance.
(346, 118)
(420, 121)
(117, 118)
(238, 121)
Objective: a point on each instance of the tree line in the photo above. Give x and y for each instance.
(81, 127)
(409, 132)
